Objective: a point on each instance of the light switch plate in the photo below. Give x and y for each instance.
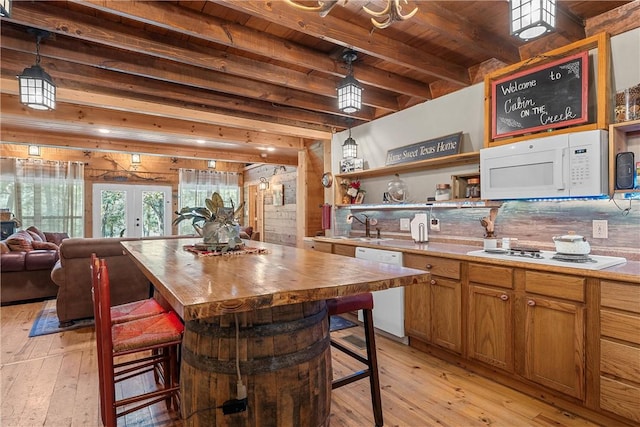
(404, 224)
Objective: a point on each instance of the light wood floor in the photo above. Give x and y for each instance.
(52, 380)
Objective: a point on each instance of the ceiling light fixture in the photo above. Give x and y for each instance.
(5, 8)
(349, 147)
(532, 18)
(264, 184)
(211, 164)
(349, 89)
(135, 159)
(37, 89)
(34, 150)
(391, 13)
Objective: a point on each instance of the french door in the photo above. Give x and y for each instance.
(125, 210)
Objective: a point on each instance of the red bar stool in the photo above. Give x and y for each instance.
(147, 343)
(347, 304)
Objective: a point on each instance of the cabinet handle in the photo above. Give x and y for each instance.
(504, 297)
(429, 266)
(433, 281)
(531, 303)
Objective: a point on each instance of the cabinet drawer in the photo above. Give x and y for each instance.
(346, 250)
(555, 285)
(625, 296)
(491, 275)
(620, 360)
(323, 247)
(437, 266)
(620, 398)
(619, 325)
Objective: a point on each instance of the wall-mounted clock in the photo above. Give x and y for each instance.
(327, 179)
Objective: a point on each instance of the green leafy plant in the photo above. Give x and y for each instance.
(215, 223)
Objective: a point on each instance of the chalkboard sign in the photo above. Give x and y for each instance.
(549, 96)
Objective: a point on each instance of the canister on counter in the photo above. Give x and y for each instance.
(443, 192)
(473, 188)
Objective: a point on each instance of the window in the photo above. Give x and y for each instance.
(47, 194)
(195, 186)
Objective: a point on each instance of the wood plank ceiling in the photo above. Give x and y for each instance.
(254, 80)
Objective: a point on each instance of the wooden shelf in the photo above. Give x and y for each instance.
(457, 203)
(440, 162)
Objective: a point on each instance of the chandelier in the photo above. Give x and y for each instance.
(391, 13)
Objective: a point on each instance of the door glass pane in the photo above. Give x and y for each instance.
(153, 203)
(113, 213)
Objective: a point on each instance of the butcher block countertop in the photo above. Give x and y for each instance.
(199, 286)
(628, 272)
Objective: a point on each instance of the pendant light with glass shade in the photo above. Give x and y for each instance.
(349, 89)
(532, 18)
(349, 147)
(37, 89)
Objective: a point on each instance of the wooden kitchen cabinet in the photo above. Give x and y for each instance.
(553, 331)
(335, 248)
(433, 312)
(620, 349)
(490, 320)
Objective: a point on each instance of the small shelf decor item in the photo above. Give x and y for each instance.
(214, 223)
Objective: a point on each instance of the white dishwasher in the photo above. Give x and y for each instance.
(388, 304)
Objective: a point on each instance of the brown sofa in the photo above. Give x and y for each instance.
(26, 259)
(72, 274)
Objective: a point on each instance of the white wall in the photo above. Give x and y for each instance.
(459, 111)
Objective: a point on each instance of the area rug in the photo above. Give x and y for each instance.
(337, 322)
(47, 321)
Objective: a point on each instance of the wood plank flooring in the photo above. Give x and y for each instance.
(52, 380)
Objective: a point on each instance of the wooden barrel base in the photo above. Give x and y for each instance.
(285, 363)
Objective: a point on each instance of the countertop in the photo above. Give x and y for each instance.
(628, 272)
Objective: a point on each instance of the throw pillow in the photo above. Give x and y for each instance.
(44, 245)
(34, 236)
(19, 244)
(34, 229)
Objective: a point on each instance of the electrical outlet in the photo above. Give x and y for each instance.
(600, 229)
(435, 224)
(404, 224)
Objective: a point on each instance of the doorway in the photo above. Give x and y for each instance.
(127, 210)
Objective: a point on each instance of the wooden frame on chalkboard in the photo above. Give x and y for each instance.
(547, 96)
(599, 102)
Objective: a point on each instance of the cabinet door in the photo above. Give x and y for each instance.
(490, 326)
(323, 247)
(417, 319)
(554, 344)
(446, 313)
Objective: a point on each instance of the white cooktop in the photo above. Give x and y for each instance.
(599, 261)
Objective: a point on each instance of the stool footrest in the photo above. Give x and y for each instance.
(350, 352)
(350, 378)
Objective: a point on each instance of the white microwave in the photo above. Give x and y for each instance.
(567, 165)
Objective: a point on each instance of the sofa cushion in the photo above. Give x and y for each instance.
(35, 230)
(44, 245)
(4, 249)
(13, 261)
(40, 260)
(56, 238)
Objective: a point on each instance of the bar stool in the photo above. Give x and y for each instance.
(147, 343)
(347, 304)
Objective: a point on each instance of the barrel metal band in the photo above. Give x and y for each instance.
(262, 365)
(267, 330)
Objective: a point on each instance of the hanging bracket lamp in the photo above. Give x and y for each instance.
(349, 89)
(349, 147)
(37, 89)
(532, 18)
(264, 184)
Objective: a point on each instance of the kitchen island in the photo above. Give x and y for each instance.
(278, 300)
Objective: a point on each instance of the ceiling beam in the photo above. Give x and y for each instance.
(344, 33)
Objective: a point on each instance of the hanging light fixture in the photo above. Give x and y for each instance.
(532, 18)
(211, 164)
(37, 89)
(349, 89)
(5, 8)
(264, 184)
(34, 150)
(349, 147)
(135, 159)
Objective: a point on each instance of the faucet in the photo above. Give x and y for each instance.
(366, 223)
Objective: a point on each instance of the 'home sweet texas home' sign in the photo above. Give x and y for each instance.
(439, 147)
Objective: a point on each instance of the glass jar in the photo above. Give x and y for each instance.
(443, 192)
(473, 188)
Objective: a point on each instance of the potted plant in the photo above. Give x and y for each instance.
(216, 224)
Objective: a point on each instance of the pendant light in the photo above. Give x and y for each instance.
(349, 147)
(37, 89)
(349, 89)
(532, 18)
